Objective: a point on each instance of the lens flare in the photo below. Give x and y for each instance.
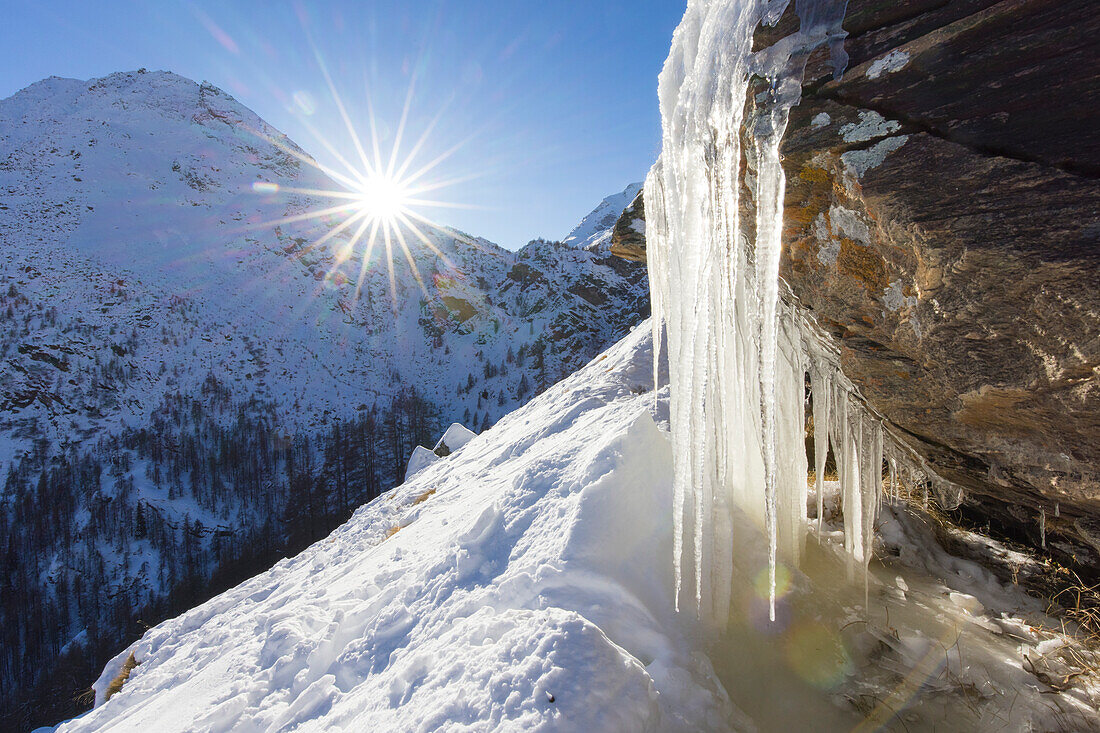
(762, 582)
(378, 199)
(818, 655)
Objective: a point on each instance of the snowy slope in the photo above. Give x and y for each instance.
(594, 231)
(152, 332)
(520, 583)
(524, 583)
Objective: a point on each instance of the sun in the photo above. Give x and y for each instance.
(377, 198)
(383, 198)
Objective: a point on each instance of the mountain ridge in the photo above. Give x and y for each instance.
(594, 230)
(155, 334)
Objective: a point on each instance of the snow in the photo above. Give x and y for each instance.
(520, 583)
(456, 436)
(523, 583)
(594, 231)
(420, 459)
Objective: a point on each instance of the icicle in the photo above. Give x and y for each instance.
(1056, 509)
(792, 491)
(655, 261)
(852, 444)
(821, 389)
(734, 354)
(1043, 526)
(893, 481)
(871, 474)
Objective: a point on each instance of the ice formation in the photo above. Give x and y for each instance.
(739, 355)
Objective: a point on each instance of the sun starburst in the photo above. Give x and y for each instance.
(380, 197)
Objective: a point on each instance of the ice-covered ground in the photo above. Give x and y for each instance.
(926, 641)
(524, 582)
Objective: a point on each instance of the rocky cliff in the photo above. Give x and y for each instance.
(942, 222)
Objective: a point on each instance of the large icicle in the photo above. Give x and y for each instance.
(736, 352)
(821, 389)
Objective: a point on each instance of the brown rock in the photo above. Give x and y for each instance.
(942, 222)
(628, 236)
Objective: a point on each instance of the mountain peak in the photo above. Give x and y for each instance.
(119, 81)
(128, 98)
(594, 231)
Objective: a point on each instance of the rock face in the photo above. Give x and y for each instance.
(942, 222)
(628, 236)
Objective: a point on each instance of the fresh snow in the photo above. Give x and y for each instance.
(519, 584)
(456, 436)
(420, 459)
(522, 583)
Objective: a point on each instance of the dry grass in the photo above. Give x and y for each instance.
(86, 698)
(123, 675)
(1081, 604)
(423, 497)
(393, 530)
(1068, 597)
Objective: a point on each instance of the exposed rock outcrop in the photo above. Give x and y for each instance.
(628, 236)
(942, 221)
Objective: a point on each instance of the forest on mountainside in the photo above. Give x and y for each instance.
(103, 524)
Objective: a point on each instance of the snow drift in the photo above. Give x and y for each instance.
(520, 583)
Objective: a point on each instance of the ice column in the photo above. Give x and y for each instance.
(737, 353)
(821, 387)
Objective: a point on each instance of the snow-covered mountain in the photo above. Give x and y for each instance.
(594, 231)
(156, 333)
(127, 205)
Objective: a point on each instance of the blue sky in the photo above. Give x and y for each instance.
(551, 104)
